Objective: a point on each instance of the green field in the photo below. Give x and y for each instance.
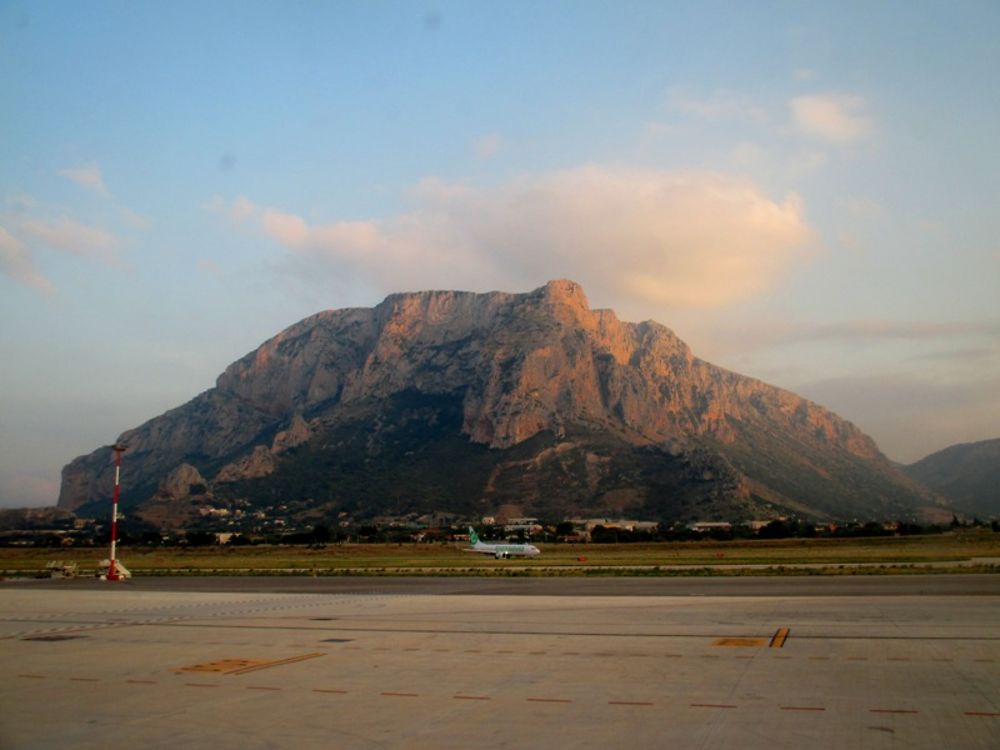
(945, 552)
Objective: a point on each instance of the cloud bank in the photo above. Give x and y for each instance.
(666, 239)
(88, 176)
(838, 118)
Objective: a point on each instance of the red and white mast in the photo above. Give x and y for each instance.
(113, 574)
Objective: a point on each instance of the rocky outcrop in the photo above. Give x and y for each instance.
(510, 370)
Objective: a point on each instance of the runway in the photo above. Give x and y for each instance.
(518, 663)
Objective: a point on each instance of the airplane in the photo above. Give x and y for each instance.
(500, 550)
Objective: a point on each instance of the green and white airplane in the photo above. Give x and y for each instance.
(500, 551)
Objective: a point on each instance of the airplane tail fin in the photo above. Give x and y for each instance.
(473, 536)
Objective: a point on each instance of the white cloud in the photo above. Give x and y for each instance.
(722, 105)
(634, 238)
(17, 263)
(838, 118)
(69, 235)
(488, 146)
(238, 210)
(87, 176)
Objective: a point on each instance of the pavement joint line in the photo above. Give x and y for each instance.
(712, 705)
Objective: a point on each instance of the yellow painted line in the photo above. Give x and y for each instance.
(223, 665)
(739, 642)
(779, 638)
(276, 663)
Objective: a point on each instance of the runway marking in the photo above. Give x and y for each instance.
(548, 700)
(83, 679)
(802, 708)
(223, 665)
(739, 642)
(200, 685)
(631, 703)
(276, 663)
(262, 687)
(892, 711)
(857, 658)
(981, 713)
(330, 690)
(471, 697)
(779, 638)
(897, 658)
(390, 694)
(142, 682)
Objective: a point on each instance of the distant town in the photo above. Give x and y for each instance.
(275, 526)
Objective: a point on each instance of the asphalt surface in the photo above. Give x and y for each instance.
(942, 584)
(393, 663)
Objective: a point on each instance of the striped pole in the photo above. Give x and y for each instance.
(112, 566)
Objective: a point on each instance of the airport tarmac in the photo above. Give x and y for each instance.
(459, 663)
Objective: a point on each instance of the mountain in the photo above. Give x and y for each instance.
(493, 403)
(968, 475)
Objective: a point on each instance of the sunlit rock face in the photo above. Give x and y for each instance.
(533, 387)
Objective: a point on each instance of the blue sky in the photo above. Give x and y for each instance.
(805, 192)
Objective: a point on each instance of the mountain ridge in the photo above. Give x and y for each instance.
(623, 412)
(967, 474)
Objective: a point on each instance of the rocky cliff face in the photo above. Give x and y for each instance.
(551, 405)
